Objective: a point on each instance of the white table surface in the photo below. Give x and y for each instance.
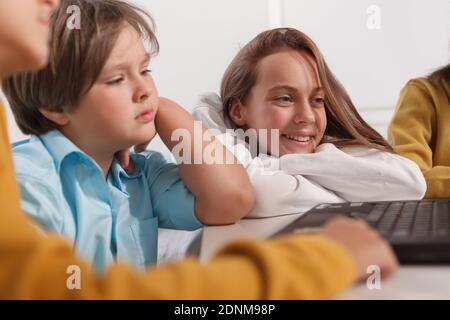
(410, 282)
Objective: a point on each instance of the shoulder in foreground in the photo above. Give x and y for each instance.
(422, 84)
(31, 158)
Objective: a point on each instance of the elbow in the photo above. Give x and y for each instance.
(242, 203)
(414, 186)
(415, 191)
(421, 188)
(411, 180)
(233, 206)
(418, 184)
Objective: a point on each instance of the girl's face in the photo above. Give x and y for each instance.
(287, 96)
(24, 34)
(120, 108)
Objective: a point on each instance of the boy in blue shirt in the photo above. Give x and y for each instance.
(97, 98)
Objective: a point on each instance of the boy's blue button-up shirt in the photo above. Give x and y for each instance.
(110, 219)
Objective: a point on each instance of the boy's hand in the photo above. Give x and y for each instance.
(123, 156)
(364, 243)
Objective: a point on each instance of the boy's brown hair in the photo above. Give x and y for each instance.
(77, 56)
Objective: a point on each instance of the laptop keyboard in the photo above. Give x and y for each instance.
(418, 231)
(406, 220)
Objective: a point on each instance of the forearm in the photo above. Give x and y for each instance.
(300, 267)
(219, 182)
(277, 192)
(361, 174)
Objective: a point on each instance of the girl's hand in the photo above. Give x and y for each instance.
(364, 243)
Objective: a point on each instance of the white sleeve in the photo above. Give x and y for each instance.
(277, 192)
(358, 173)
(209, 111)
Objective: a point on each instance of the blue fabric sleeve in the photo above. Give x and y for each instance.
(172, 201)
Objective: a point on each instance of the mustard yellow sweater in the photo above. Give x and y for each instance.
(35, 266)
(420, 131)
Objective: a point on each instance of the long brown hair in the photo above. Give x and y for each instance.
(442, 73)
(345, 127)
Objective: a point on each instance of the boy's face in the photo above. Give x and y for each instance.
(287, 96)
(120, 108)
(24, 34)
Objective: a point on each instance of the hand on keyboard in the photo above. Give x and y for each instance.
(364, 243)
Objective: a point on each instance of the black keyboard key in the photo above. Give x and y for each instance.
(440, 219)
(402, 229)
(388, 220)
(422, 222)
(375, 215)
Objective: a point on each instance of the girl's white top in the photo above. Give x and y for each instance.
(294, 183)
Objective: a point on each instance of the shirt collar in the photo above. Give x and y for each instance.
(60, 147)
(118, 173)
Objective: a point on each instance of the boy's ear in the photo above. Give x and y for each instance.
(60, 118)
(237, 114)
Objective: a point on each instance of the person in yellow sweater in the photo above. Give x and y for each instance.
(420, 129)
(35, 265)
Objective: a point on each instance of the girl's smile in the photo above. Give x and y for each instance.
(287, 96)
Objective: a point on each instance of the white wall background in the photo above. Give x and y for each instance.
(200, 37)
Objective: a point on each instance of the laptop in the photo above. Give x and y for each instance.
(419, 231)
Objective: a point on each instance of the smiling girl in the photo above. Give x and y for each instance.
(327, 152)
